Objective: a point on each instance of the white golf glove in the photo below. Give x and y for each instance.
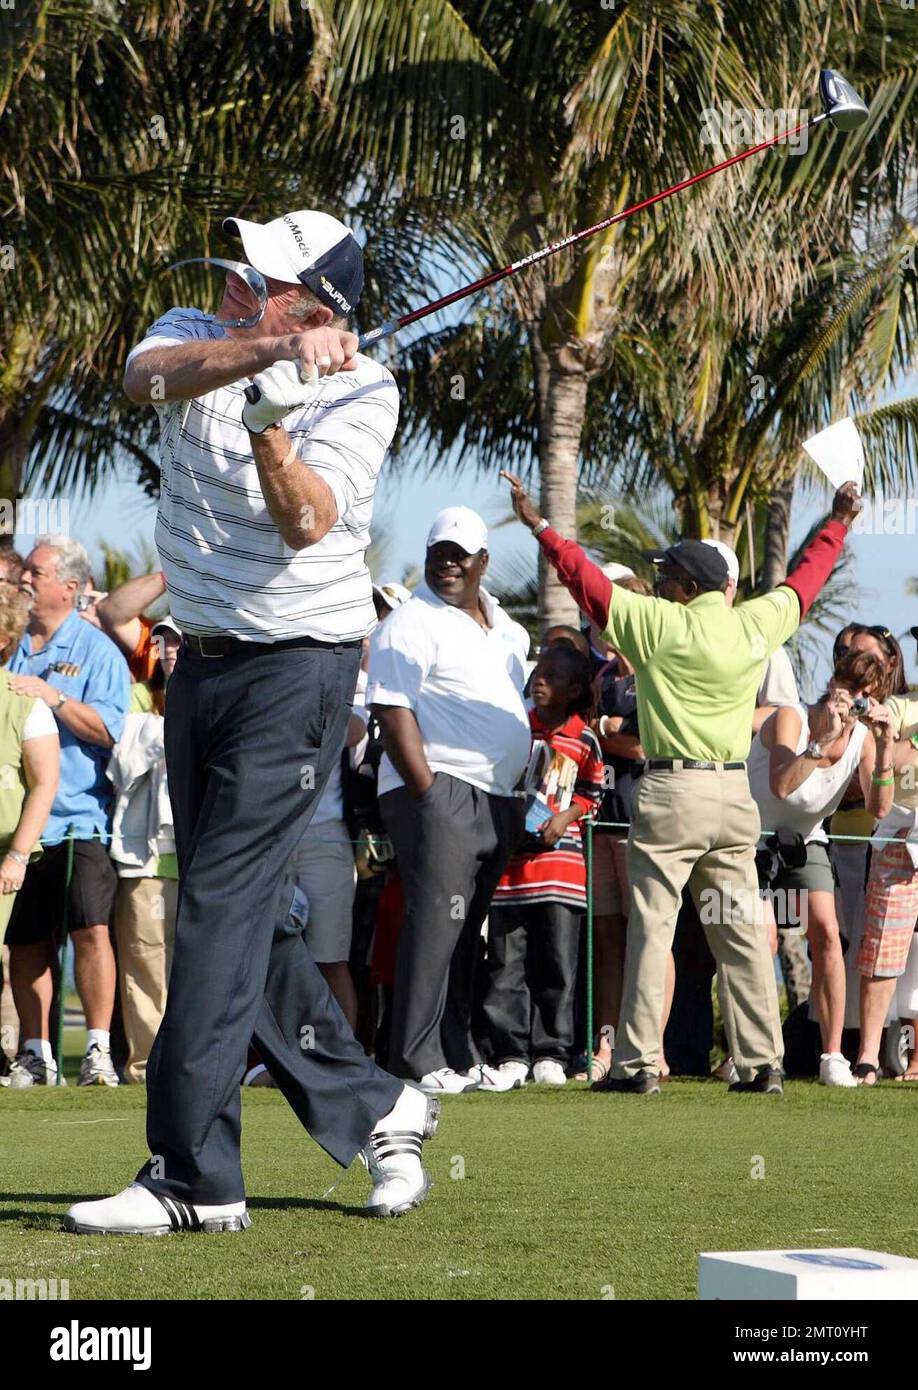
(282, 390)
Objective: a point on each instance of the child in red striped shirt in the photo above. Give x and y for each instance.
(538, 905)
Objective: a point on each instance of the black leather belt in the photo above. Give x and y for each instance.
(691, 764)
(231, 646)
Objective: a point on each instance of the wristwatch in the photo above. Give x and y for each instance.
(813, 749)
(540, 526)
(61, 699)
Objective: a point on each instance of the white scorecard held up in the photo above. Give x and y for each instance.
(839, 452)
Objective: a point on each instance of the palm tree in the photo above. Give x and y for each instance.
(725, 457)
(129, 131)
(569, 365)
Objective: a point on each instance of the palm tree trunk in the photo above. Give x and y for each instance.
(777, 534)
(14, 450)
(561, 426)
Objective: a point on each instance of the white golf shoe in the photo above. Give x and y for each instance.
(835, 1070)
(392, 1155)
(547, 1072)
(509, 1076)
(29, 1070)
(446, 1082)
(137, 1211)
(97, 1068)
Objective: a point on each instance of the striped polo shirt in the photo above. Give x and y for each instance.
(227, 568)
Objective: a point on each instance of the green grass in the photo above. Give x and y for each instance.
(564, 1195)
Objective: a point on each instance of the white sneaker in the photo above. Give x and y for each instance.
(392, 1155)
(509, 1076)
(446, 1082)
(548, 1072)
(835, 1070)
(137, 1211)
(97, 1068)
(29, 1070)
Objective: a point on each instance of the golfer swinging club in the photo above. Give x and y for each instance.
(263, 523)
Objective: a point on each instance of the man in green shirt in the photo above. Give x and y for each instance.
(698, 665)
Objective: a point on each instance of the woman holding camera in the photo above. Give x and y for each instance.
(800, 765)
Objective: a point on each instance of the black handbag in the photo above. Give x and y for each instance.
(783, 849)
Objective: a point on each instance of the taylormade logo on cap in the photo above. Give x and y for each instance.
(298, 237)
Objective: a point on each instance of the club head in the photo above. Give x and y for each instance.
(252, 277)
(844, 107)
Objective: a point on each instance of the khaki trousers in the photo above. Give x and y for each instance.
(144, 936)
(697, 828)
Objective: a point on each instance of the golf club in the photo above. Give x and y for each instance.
(842, 106)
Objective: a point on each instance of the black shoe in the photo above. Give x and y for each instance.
(768, 1080)
(645, 1083)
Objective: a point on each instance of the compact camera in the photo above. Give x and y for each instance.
(860, 706)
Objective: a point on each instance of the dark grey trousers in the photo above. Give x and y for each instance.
(250, 741)
(451, 845)
(533, 950)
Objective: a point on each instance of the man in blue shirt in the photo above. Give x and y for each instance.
(83, 679)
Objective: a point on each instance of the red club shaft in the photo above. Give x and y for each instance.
(395, 324)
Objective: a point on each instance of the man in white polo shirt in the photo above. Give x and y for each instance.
(263, 523)
(446, 679)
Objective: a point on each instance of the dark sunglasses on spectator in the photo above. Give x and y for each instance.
(883, 635)
(876, 630)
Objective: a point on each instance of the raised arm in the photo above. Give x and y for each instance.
(876, 771)
(818, 560)
(119, 612)
(184, 371)
(590, 589)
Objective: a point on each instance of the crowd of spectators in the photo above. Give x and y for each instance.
(443, 877)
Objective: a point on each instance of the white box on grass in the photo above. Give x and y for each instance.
(802, 1275)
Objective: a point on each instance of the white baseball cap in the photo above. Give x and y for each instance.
(613, 571)
(168, 623)
(306, 248)
(462, 526)
(392, 594)
(730, 558)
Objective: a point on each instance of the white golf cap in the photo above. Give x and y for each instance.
(168, 623)
(613, 571)
(462, 526)
(392, 594)
(306, 248)
(730, 558)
